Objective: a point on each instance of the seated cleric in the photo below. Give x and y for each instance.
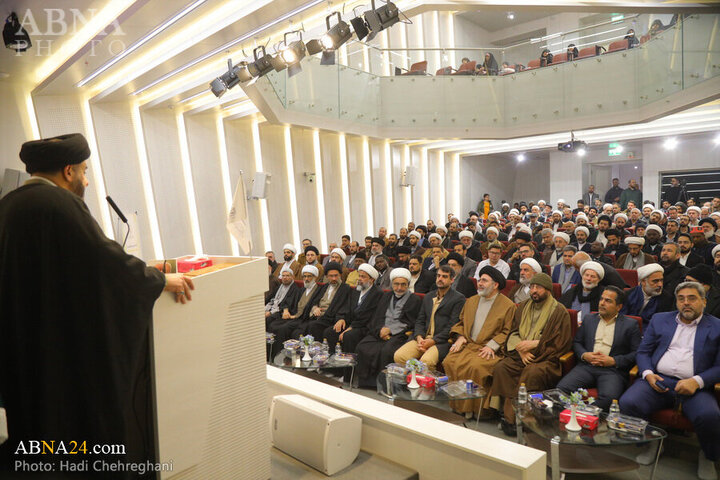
(74, 348)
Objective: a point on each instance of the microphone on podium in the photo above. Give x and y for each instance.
(119, 214)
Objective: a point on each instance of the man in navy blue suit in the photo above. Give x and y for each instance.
(679, 359)
(605, 346)
(648, 297)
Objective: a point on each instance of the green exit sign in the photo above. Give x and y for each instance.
(614, 150)
(616, 17)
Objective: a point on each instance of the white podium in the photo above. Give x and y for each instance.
(210, 376)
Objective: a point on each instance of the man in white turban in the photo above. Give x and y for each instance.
(289, 252)
(585, 296)
(394, 317)
(635, 257)
(647, 299)
(521, 291)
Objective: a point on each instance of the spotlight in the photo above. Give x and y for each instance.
(336, 35)
(581, 151)
(15, 36)
(225, 81)
(670, 144)
(294, 51)
(511, 15)
(573, 145)
(360, 26)
(379, 19)
(261, 65)
(313, 47)
(520, 157)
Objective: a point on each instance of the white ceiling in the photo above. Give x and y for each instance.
(494, 20)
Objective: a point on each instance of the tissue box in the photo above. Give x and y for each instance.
(585, 420)
(193, 262)
(427, 381)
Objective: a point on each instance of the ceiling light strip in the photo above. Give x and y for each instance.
(146, 181)
(294, 220)
(228, 45)
(319, 192)
(436, 36)
(345, 182)
(407, 195)
(442, 201)
(264, 218)
(456, 183)
(389, 203)
(96, 170)
(142, 41)
(225, 175)
(451, 37)
(189, 187)
(367, 173)
(424, 173)
(30, 106)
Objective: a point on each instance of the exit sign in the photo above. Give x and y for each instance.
(614, 150)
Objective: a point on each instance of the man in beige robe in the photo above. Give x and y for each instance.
(540, 335)
(484, 324)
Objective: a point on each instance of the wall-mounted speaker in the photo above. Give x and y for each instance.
(259, 186)
(12, 180)
(322, 437)
(410, 176)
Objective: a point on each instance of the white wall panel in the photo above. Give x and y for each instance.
(396, 154)
(163, 149)
(272, 140)
(332, 183)
(309, 221)
(379, 191)
(239, 143)
(14, 126)
(118, 155)
(356, 174)
(207, 180)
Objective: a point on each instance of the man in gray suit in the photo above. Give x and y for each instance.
(590, 196)
(605, 346)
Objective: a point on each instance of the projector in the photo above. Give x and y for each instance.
(572, 146)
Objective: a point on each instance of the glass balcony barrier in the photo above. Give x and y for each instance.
(379, 86)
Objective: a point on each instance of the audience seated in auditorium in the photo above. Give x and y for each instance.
(436, 258)
(311, 258)
(682, 351)
(469, 265)
(414, 238)
(332, 305)
(353, 248)
(284, 327)
(565, 272)
(540, 335)
(646, 299)
(393, 320)
(653, 245)
(572, 52)
(702, 246)
(384, 271)
(306, 242)
(351, 328)
(289, 252)
(529, 267)
(478, 337)
(674, 272)
(526, 250)
(494, 254)
(703, 275)
(284, 303)
(402, 257)
(605, 346)
(546, 58)
(439, 311)
(611, 277)
(353, 275)
(554, 257)
(376, 248)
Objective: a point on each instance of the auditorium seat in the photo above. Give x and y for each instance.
(547, 269)
(587, 52)
(444, 71)
(557, 291)
(467, 68)
(509, 284)
(619, 45)
(559, 58)
(300, 283)
(474, 280)
(611, 257)
(323, 256)
(629, 276)
(644, 38)
(533, 64)
(418, 68)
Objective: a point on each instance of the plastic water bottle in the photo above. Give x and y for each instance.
(338, 350)
(522, 395)
(614, 409)
(579, 319)
(325, 346)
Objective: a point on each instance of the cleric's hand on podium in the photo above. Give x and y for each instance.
(180, 285)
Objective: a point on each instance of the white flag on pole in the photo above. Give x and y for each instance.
(238, 223)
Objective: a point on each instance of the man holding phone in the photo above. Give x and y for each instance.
(679, 358)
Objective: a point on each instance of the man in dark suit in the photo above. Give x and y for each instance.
(605, 346)
(284, 302)
(649, 297)
(393, 320)
(460, 282)
(421, 280)
(687, 256)
(349, 330)
(332, 304)
(679, 360)
(440, 310)
(674, 272)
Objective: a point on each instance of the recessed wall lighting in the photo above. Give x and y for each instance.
(520, 157)
(670, 144)
(511, 15)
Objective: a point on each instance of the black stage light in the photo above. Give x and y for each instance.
(225, 81)
(293, 51)
(277, 62)
(328, 57)
(336, 35)
(218, 87)
(379, 19)
(313, 47)
(261, 65)
(359, 26)
(15, 36)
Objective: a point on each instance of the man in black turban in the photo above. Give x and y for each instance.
(76, 311)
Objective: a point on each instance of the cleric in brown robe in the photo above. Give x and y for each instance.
(540, 335)
(484, 324)
(76, 313)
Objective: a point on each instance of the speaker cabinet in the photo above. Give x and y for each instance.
(322, 437)
(259, 186)
(411, 176)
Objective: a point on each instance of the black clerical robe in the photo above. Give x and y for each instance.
(74, 329)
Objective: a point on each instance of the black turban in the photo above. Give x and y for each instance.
(312, 248)
(457, 257)
(523, 236)
(710, 221)
(333, 266)
(702, 273)
(403, 249)
(51, 154)
(378, 240)
(495, 274)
